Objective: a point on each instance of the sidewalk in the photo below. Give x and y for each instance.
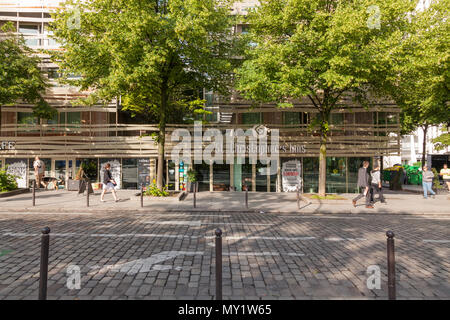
(398, 202)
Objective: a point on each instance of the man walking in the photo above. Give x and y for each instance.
(427, 181)
(445, 173)
(363, 184)
(39, 169)
(376, 184)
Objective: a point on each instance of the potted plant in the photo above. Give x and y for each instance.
(191, 177)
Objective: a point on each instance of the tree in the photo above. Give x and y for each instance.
(324, 50)
(442, 142)
(149, 52)
(420, 77)
(20, 75)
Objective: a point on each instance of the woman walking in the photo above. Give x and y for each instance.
(108, 183)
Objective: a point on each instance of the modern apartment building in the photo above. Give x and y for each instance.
(96, 135)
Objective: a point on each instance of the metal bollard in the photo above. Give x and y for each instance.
(218, 264)
(34, 193)
(391, 265)
(195, 195)
(298, 198)
(45, 243)
(142, 195)
(246, 196)
(87, 192)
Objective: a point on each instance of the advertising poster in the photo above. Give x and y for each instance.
(291, 175)
(143, 172)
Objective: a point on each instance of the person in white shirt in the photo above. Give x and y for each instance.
(445, 173)
(39, 169)
(376, 184)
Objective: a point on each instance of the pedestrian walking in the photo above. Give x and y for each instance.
(375, 185)
(364, 185)
(427, 181)
(39, 171)
(445, 173)
(108, 183)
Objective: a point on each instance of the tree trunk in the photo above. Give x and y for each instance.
(323, 165)
(161, 139)
(424, 146)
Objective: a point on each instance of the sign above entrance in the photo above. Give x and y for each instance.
(7, 145)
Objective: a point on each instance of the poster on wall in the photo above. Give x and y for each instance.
(18, 168)
(291, 175)
(143, 172)
(115, 170)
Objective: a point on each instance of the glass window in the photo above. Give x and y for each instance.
(261, 179)
(251, 118)
(221, 177)
(53, 73)
(336, 175)
(73, 117)
(310, 175)
(337, 118)
(26, 118)
(30, 30)
(202, 176)
(292, 117)
(130, 174)
(90, 167)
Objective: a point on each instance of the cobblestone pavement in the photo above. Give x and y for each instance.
(140, 255)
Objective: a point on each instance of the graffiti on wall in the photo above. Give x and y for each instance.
(18, 168)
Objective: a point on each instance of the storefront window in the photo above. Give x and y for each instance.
(261, 177)
(26, 118)
(310, 175)
(202, 175)
(90, 168)
(221, 174)
(251, 118)
(336, 175)
(130, 174)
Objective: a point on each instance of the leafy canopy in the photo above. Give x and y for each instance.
(20, 75)
(144, 50)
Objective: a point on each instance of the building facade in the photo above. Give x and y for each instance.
(96, 135)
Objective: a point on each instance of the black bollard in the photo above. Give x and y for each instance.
(195, 195)
(45, 243)
(298, 197)
(391, 265)
(246, 196)
(218, 264)
(142, 195)
(34, 193)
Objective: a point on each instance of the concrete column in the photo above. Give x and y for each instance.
(152, 170)
(211, 177)
(177, 177)
(254, 177)
(279, 189)
(232, 175)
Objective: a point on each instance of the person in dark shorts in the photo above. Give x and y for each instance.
(108, 183)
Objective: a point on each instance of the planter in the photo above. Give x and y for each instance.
(13, 193)
(73, 185)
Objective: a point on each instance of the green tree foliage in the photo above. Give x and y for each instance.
(324, 50)
(20, 75)
(442, 142)
(7, 181)
(419, 80)
(149, 52)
